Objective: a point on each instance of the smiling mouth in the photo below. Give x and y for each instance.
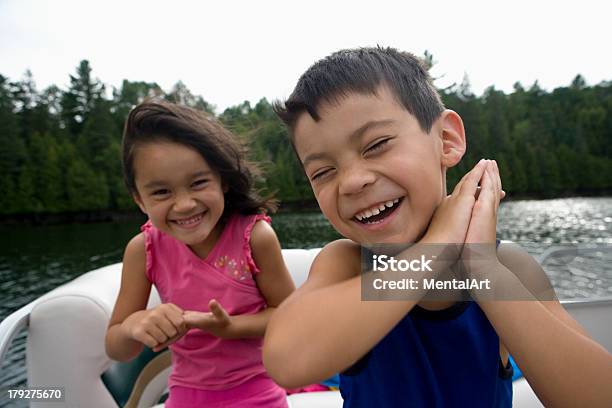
(189, 221)
(377, 214)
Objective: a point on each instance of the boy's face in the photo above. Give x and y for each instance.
(376, 175)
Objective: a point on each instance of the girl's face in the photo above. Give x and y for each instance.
(180, 192)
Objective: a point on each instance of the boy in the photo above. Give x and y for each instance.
(375, 142)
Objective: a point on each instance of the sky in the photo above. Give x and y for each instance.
(232, 51)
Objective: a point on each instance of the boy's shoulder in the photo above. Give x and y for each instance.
(337, 261)
(509, 252)
(526, 268)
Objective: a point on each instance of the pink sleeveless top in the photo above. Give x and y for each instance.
(199, 359)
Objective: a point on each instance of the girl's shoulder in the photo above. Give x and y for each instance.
(134, 257)
(242, 235)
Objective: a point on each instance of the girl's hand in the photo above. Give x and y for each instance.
(217, 322)
(157, 327)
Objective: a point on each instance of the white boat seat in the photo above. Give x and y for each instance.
(65, 344)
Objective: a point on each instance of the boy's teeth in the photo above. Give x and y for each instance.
(376, 209)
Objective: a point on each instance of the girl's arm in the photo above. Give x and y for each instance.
(273, 280)
(563, 365)
(131, 325)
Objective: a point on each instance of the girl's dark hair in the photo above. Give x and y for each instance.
(160, 121)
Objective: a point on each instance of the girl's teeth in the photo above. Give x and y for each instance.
(389, 204)
(189, 221)
(375, 211)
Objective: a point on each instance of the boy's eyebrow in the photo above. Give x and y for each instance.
(157, 183)
(356, 134)
(367, 126)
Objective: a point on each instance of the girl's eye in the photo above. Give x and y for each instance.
(320, 174)
(160, 192)
(199, 183)
(377, 146)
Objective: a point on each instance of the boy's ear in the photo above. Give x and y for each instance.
(138, 201)
(452, 135)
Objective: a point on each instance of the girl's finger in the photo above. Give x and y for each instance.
(149, 341)
(157, 334)
(168, 328)
(197, 318)
(175, 316)
(217, 310)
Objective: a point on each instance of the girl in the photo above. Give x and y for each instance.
(209, 250)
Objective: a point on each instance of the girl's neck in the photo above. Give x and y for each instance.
(203, 248)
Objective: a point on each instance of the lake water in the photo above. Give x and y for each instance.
(36, 259)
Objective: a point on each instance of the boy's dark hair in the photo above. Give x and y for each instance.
(364, 70)
(156, 120)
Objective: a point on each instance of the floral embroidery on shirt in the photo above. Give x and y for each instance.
(237, 270)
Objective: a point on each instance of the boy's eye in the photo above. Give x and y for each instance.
(378, 145)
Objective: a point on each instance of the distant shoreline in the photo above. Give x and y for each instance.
(284, 207)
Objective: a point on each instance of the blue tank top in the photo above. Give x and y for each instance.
(446, 358)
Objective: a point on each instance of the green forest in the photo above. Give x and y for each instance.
(60, 148)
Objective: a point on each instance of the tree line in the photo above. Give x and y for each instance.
(60, 148)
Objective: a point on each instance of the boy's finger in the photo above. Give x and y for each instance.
(495, 192)
(470, 184)
(459, 185)
(486, 189)
(497, 176)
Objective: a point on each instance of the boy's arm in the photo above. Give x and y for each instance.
(324, 327)
(564, 366)
(273, 280)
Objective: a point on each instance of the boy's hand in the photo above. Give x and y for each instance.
(451, 220)
(480, 252)
(483, 223)
(217, 321)
(157, 327)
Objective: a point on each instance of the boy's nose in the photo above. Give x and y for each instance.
(354, 180)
